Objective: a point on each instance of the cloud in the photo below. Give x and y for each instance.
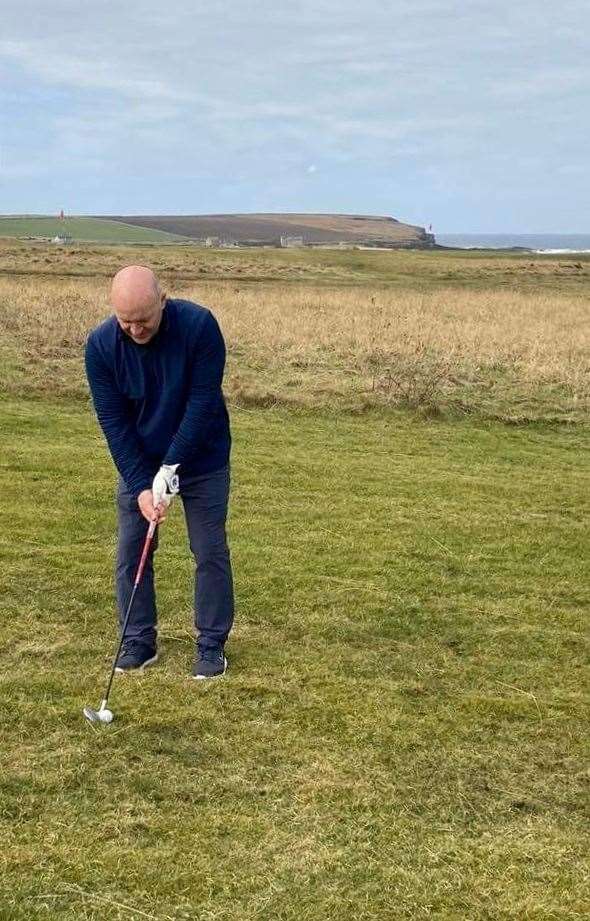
(527, 83)
(83, 73)
(243, 96)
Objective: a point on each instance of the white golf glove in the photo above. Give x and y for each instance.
(165, 485)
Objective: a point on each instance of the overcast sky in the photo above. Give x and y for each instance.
(471, 115)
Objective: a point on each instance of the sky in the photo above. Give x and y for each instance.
(471, 116)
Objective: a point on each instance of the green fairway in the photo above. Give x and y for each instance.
(402, 730)
(82, 230)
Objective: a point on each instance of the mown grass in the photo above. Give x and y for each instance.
(403, 730)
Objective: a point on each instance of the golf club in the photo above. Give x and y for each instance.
(103, 714)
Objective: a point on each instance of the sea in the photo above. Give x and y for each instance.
(536, 242)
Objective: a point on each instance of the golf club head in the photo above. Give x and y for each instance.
(98, 716)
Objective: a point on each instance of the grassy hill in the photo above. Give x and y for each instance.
(268, 228)
(83, 230)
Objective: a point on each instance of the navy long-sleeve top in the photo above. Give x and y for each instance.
(162, 402)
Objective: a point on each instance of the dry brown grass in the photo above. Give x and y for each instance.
(502, 351)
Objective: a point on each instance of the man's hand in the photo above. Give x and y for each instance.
(145, 500)
(165, 485)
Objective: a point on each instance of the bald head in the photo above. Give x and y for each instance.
(137, 301)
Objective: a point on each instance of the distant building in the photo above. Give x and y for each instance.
(61, 239)
(287, 241)
(212, 241)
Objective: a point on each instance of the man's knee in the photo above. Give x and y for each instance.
(210, 545)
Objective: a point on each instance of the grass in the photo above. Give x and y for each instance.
(403, 730)
(82, 229)
(407, 269)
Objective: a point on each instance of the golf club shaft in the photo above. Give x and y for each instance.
(140, 568)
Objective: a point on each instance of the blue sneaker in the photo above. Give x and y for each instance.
(135, 656)
(209, 663)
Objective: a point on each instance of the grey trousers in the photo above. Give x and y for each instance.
(205, 501)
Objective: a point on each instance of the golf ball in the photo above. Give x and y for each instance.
(106, 716)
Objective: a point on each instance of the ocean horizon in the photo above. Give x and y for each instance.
(537, 242)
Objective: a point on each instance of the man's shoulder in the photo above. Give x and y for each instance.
(188, 313)
(197, 326)
(103, 334)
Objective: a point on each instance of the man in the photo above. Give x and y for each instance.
(155, 370)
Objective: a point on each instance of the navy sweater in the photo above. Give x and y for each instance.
(162, 402)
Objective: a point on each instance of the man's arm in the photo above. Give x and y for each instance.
(118, 429)
(204, 394)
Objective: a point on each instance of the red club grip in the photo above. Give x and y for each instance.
(146, 547)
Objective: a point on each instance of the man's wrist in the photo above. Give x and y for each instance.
(137, 491)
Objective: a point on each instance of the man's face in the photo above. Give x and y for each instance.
(141, 321)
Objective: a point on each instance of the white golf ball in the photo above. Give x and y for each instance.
(106, 716)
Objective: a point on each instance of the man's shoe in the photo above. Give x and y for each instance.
(209, 663)
(135, 656)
